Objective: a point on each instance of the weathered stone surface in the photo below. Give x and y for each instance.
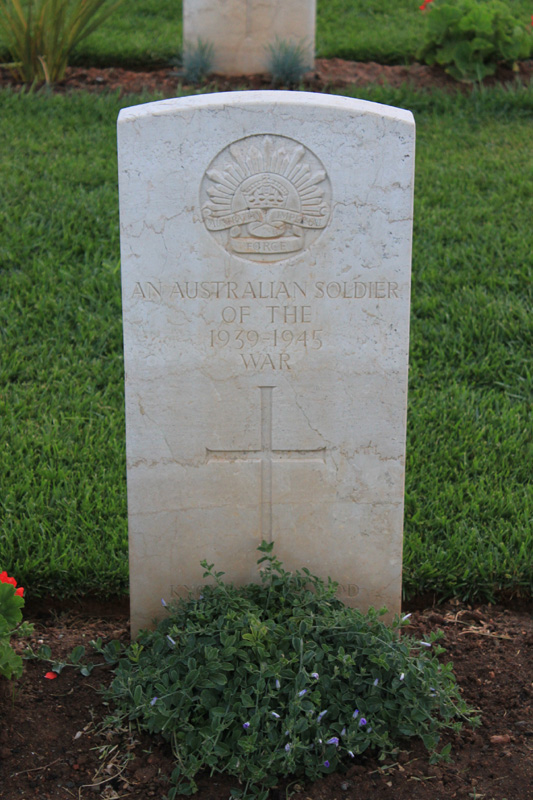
(242, 30)
(266, 247)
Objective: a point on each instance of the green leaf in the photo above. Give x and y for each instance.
(77, 654)
(208, 699)
(10, 605)
(218, 711)
(11, 665)
(247, 700)
(227, 666)
(112, 651)
(446, 750)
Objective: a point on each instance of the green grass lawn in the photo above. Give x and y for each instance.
(471, 355)
(147, 32)
(469, 497)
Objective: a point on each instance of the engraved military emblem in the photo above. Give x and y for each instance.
(265, 198)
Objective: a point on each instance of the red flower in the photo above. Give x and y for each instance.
(51, 675)
(424, 4)
(4, 578)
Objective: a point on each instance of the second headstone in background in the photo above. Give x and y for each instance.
(241, 31)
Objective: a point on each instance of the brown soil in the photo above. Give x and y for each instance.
(329, 74)
(51, 748)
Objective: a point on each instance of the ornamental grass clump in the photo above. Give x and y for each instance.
(198, 61)
(281, 679)
(469, 38)
(41, 34)
(287, 62)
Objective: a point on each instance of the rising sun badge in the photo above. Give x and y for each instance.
(265, 198)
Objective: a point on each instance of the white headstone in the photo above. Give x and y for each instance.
(266, 249)
(241, 31)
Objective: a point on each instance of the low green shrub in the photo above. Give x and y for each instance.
(469, 38)
(287, 62)
(41, 34)
(280, 678)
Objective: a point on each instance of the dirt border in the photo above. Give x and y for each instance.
(328, 75)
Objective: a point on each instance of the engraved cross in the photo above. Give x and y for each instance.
(265, 455)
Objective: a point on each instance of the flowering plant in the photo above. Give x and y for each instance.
(280, 678)
(469, 38)
(11, 601)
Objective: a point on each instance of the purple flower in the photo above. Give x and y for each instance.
(426, 644)
(276, 716)
(351, 754)
(278, 684)
(343, 732)
(163, 603)
(321, 715)
(376, 682)
(402, 676)
(314, 675)
(245, 725)
(355, 713)
(406, 617)
(287, 747)
(362, 721)
(334, 740)
(171, 640)
(326, 763)
(301, 694)
(153, 701)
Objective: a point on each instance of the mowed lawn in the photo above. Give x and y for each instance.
(468, 529)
